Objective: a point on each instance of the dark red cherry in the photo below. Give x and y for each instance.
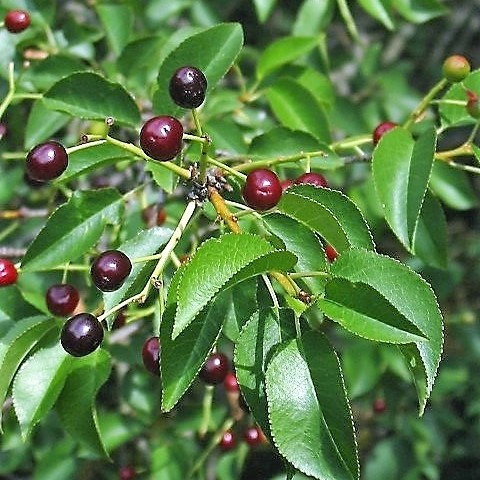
(161, 138)
(379, 405)
(188, 87)
(286, 184)
(254, 436)
(151, 355)
(62, 299)
(46, 161)
(110, 270)
(230, 383)
(215, 369)
(8, 272)
(154, 215)
(228, 441)
(262, 189)
(81, 334)
(312, 178)
(473, 104)
(127, 473)
(331, 253)
(381, 130)
(16, 21)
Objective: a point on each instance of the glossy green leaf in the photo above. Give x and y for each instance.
(329, 213)
(365, 312)
(420, 11)
(297, 108)
(162, 176)
(213, 51)
(42, 123)
(258, 339)
(476, 152)
(38, 384)
(452, 187)
(401, 171)
(76, 403)
(145, 243)
(264, 9)
(379, 9)
(84, 160)
(13, 306)
(221, 263)
(15, 346)
(313, 16)
(301, 241)
(411, 296)
(319, 85)
(283, 51)
(310, 418)
(89, 95)
(117, 21)
(73, 228)
(226, 136)
(430, 241)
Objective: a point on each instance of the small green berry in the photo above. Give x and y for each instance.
(456, 68)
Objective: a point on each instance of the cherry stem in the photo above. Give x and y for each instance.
(351, 142)
(308, 274)
(465, 149)
(23, 212)
(348, 19)
(11, 90)
(222, 209)
(195, 138)
(207, 410)
(228, 169)
(271, 291)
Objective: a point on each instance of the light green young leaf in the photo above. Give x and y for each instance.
(313, 17)
(310, 418)
(379, 9)
(117, 21)
(264, 9)
(420, 11)
(73, 228)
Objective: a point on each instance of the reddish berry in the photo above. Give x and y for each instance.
(262, 189)
(8, 272)
(161, 138)
(154, 215)
(473, 104)
(188, 86)
(286, 184)
(120, 319)
(456, 68)
(17, 21)
(312, 179)
(110, 270)
(230, 383)
(331, 253)
(151, 355)
(31, 182)
(228, 441)
(81, 334)
(46, 161)
(215, 369)
(381, 130)
(126, 473)
(62, 299)
(379, 405)
(254, 436)
(3, 130)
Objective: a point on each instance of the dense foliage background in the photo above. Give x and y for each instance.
(380, 61)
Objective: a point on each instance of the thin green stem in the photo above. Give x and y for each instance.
(348, 19)
(11, 90)
(460, 103)
(271, 291)
(197, 122)
(195, 138)
(474, 131)
(8, 230)
(248, 166)
(228, 169)
(466, 168)
(308, 274)
(207, 410)
(84, 146)
(27, 96)
(351, 142)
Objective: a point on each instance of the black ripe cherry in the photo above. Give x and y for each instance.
(81, 334)
(456, 68)
(230, 383)
(228, 441)
(331, 253)
(16, 21)
(312, 178)
(262, 189)
(110, 269)
(8, 273)
(253, 436)
(151, 355)
(188, 86)
(381, 129)
(215, 369)
(127, 473)
(46, 161)
(161, 137)
(62, 299)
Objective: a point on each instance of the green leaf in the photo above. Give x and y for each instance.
(213, 51)
(145, 243)
(297, 108)
(226, 136)
(38, 384)
(89, 95)
(310, 418)
(430, 241)
(302, 242)
(365, 312)
(401, 171)
(76, 403)
(328, 212)
(13, 306)
(221, 263)
(42, 123)
(84, 160)
(15, 346)
(313, 17)
(283, 51)
(73, 228)
(258, 339)
(411, 296)
(264, 9)
(420, 11)
(452, 187)
(377, 9)
(162, 176)
(117, 21)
